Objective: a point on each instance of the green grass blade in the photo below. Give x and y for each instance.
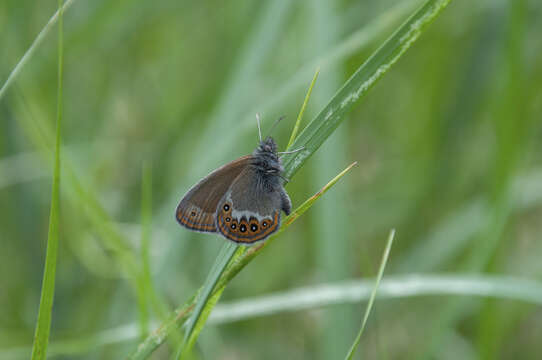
(302, 111)
(43, 325)
(321, 127)
(157, 337)
(391, 287)
(145, 279)
(226, 254)
(350, 354)
(35, 44)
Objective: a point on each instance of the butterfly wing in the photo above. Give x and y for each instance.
(197, 209)
(249, 212)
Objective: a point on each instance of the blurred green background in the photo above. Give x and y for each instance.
(448, 146)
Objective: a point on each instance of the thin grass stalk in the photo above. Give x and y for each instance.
(295, 130)
(223, 259)
(383, 263)
(146, 279)
(43, 325)
(35, 44)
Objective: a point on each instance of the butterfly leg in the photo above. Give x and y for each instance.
(286, 204)
(286, 180)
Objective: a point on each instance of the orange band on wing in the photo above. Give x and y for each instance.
(232, 228)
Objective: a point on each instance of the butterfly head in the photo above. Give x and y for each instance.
(266, 157)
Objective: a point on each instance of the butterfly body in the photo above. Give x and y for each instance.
(241, 200)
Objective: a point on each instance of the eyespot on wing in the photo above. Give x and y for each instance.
(245, 231)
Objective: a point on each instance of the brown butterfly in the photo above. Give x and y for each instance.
(241, 200)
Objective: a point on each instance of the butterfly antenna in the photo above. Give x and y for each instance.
(275, 124)
(259, 126)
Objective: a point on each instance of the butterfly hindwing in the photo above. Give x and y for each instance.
(249, 212)
(197, 209)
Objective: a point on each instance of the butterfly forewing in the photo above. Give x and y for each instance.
(197, 209)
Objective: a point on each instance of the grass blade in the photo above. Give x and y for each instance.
(321, 127)
(157, 337)
(226, 254)
(373, 295)
(145, 279)
(302, 111)
(37, 41)
(310, 201)
(391, 287)
(43, 325)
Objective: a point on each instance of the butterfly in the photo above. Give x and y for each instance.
(241, 200)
